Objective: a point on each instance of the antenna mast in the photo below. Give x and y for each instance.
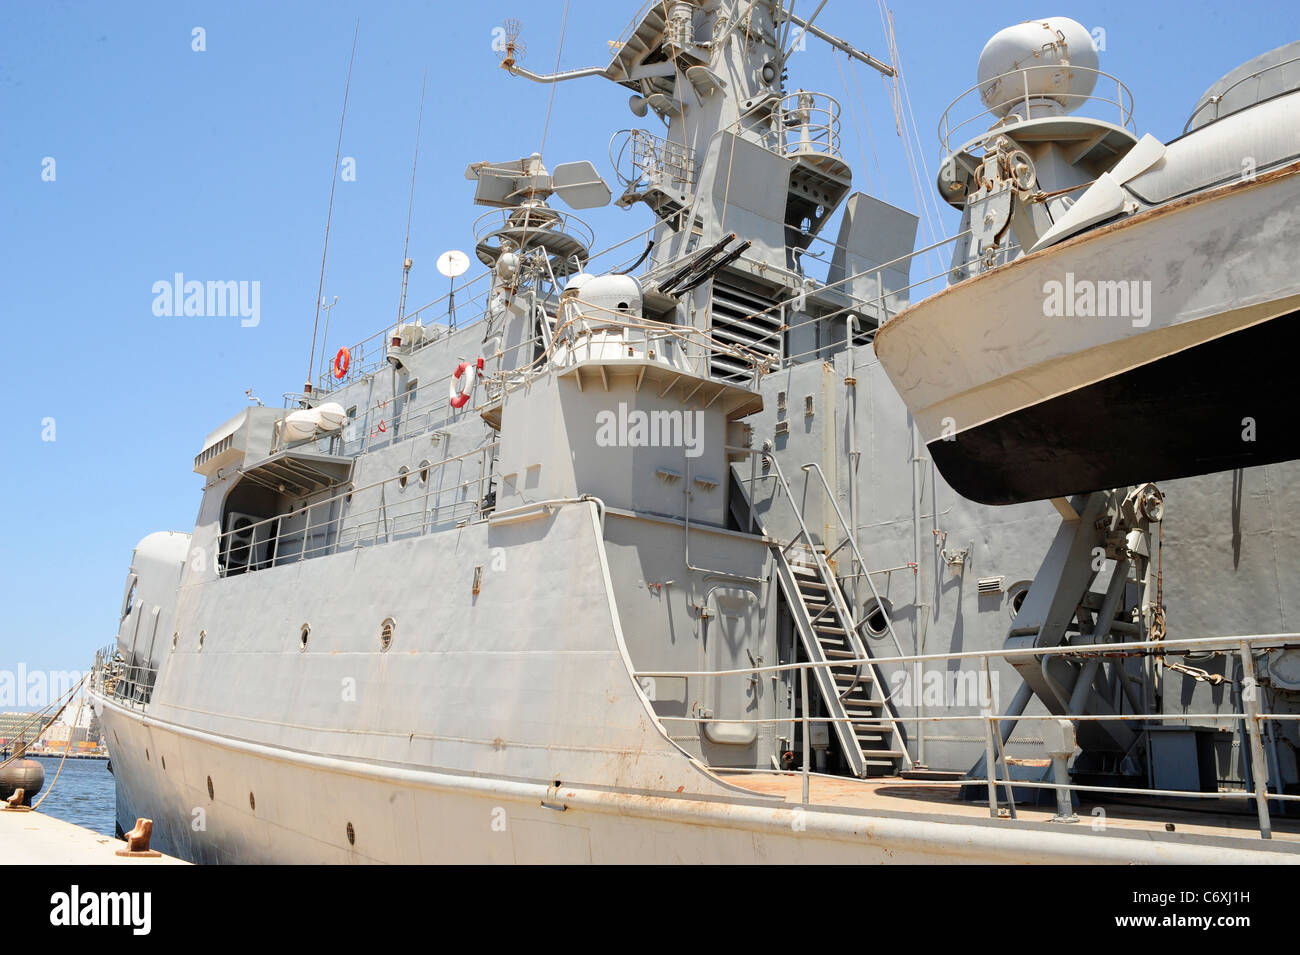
(320, 289)
(406, 259)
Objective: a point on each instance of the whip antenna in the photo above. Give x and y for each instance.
(320, 289)
(406, 259)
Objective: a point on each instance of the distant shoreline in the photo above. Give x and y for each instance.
(103, 756)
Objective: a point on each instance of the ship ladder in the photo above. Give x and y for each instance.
(871, 743)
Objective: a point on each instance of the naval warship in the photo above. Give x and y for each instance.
(648, 560)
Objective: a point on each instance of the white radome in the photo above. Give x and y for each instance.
(1029, 51)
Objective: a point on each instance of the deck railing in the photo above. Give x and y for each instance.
(438, 319)
(119, 679)
(997, 774)
(330, 525)
(1019, 95)
(1219, 98)
(807, 123)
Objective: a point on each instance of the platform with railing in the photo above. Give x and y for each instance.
(807, 123)
(1266, 795)
(1017, 102)
(410, 503)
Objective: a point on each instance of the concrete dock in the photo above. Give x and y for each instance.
(34, 838)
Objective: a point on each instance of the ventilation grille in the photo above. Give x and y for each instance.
(210, 452)
(743, 318)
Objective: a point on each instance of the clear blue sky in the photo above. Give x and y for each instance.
(217, 164)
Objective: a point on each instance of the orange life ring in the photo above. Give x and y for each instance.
(341, 362)
(459, 396)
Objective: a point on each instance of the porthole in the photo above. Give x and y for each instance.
(252, 803)
(352, 835)
(424, 471)
(386, 631)
(303, 634)
(1016, 597)
(211, 793)
(203, 636)
(176, 638)
(876, 613)
(402, 474)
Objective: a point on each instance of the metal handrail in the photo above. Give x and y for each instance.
(1247, 645)
(475, 507)
(377, 343)
(1218, 97)
(1122, 94)
(850, 627)
(403, 421)
(880, 603)
(816, 128)
(538, 220)
(1266, 641)
(573, 328)
(654, 159)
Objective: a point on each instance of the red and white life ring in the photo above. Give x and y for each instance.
(341, 362)
(459, 395)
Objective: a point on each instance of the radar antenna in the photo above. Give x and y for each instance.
(509, 48)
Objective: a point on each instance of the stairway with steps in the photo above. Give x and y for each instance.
(820, 609)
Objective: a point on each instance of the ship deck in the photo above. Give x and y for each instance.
(941, 799)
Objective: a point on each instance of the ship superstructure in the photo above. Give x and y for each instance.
(646, 561)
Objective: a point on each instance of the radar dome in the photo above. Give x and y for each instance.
(1055, 56)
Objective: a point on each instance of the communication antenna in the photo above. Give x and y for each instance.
(509, 48)
(324, 339)
(406, 259)
(451, 264)
(320, 290)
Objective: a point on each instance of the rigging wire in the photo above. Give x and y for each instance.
(546, 128)
(853, 114)
(920, 189)
(866, 120)
(338, 149)
(66, 746)
(41, 724)
(550, 101)
(930, 192)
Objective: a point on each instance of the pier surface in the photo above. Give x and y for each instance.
(34, 838)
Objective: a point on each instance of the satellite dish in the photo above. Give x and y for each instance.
(453, 263)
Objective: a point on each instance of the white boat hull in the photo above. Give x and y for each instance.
(1154, 348)
(305, 805)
